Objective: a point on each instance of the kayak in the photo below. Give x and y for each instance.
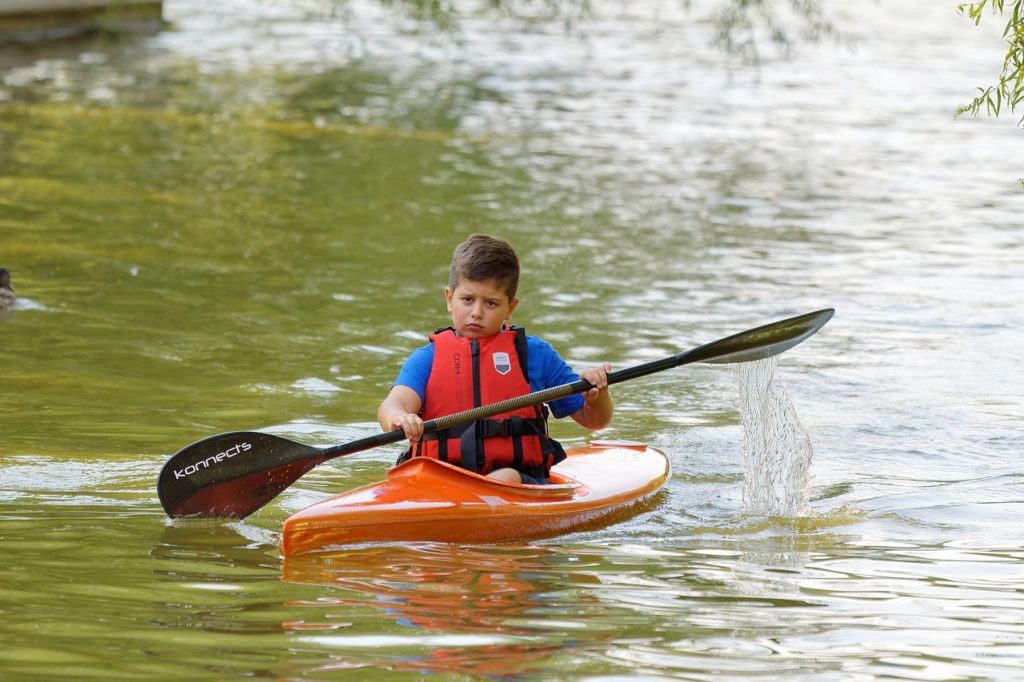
(425, 500)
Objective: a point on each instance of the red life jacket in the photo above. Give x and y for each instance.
(468, 373)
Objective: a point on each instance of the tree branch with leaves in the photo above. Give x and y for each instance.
(1009, 91)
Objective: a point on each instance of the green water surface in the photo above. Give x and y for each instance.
(245, 222)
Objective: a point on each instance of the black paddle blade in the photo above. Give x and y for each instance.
(232, 474)
(761, 342)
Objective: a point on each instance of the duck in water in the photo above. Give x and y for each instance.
(7, 297)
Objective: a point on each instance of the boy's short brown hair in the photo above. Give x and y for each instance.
(483, 257)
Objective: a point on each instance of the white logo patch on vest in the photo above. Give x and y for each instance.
(502, 363)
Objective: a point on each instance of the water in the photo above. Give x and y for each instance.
(245, 222)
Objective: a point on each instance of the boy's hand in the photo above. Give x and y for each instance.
(412, 424)
(598, 377)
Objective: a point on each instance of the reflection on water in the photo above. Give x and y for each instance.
(435, 587)
(476, 611)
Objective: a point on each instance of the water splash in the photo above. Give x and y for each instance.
(776, 448)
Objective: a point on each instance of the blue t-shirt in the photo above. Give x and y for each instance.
(544, 367)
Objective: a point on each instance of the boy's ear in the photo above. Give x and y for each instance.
(448, 298)
(512, 306)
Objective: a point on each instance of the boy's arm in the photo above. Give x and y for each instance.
(597, 408)
(400, 410)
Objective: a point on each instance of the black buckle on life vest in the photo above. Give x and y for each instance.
(512, 427)
(490, 428)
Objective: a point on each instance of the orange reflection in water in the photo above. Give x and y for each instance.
(496, 592)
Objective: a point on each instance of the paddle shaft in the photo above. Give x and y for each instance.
(510, 405)
(753, 344)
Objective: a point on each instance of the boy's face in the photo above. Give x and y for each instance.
(479, 307)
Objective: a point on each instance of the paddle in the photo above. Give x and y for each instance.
(234, 474)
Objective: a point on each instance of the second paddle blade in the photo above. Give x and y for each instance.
(232, 474)
(762, 342)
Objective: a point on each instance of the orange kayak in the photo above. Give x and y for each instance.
(430, 501)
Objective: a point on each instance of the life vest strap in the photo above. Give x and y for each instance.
(469, 435)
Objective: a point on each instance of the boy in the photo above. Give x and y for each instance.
(479, 361)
